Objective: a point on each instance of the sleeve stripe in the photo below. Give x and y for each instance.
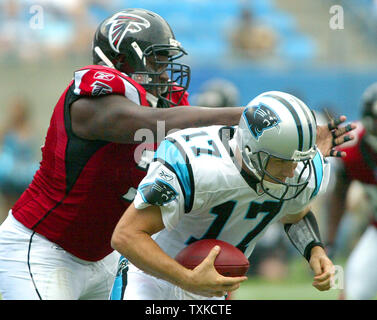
(119, 84)
(171, 168)
(172, 155)
(78, 77)
(318, 173)
(130, 91)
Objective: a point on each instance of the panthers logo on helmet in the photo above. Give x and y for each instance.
(261, 118)
(121, 24)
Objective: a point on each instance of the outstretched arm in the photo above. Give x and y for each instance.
(115, 118)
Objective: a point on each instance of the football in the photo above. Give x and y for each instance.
(230, 262)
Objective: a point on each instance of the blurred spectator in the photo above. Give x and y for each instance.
(48, 28)
(217, 93)
(354, 202)
(16, 37)
(17, 161)
(67, 27)
(360, 164)
(250, 39)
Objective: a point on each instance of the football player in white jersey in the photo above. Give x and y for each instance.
(228, 183)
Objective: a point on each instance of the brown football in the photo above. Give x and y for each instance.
(230, 262)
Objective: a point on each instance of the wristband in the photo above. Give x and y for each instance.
(304, 234)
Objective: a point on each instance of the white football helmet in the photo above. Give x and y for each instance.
(277, 124)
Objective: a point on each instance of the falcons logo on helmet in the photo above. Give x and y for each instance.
(121, 24)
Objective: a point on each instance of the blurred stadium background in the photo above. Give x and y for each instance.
(257, 45)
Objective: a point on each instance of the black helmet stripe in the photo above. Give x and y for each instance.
(308, 120)
(295, 117)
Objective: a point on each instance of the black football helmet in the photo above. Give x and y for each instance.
(141, 44)
(218, 92)
(369, 114)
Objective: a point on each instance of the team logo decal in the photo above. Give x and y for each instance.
(123, 23)
(100, 88)
(261, 118)
(165, 176)
(158, 193)
(103, 76)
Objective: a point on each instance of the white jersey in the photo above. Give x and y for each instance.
(203, 193)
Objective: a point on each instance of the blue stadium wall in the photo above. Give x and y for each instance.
(339, 90)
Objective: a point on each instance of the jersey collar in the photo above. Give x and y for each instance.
(226, 134)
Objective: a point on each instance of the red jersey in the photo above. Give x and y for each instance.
(83, 187)
(360, 164)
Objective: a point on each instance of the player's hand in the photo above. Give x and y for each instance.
(330, 136)
(206, 281)
(322, 267)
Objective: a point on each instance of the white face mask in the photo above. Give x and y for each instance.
(272, 185)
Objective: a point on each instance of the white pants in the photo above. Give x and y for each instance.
(361, 268)
(141, 286)
(46, 271)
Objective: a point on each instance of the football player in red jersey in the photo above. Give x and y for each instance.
(360, 164)
(55, 243)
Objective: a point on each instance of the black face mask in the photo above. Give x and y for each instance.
(162, 103)
(177, 73)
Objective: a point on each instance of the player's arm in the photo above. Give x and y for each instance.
(132, 238)
(302, 230)
(115, 118)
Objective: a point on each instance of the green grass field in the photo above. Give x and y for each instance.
(260, 289)
(296, 286)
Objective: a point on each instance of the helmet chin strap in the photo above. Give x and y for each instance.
(271, 185)
(103, 57)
